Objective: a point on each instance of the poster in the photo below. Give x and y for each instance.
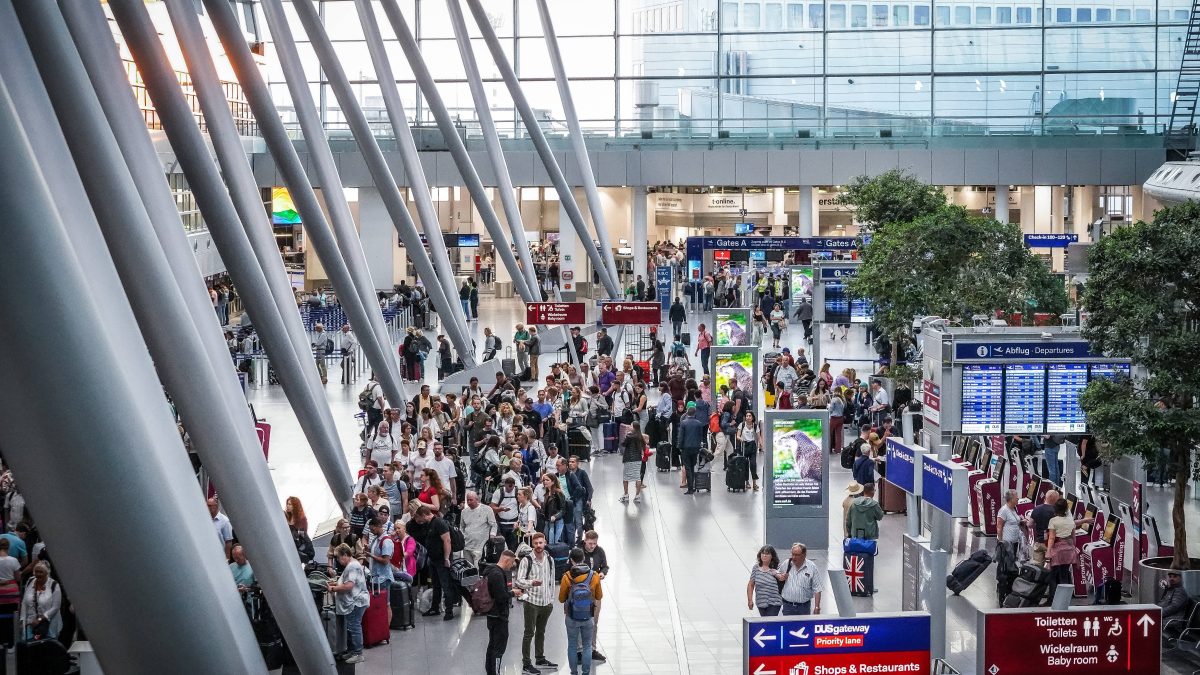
(738, 366)
(283, 211)
(797, 463)
(732, 327)
(801, 283)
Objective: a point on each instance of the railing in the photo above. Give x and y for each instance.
(243, 118)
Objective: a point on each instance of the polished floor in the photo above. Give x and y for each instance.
(675, 597)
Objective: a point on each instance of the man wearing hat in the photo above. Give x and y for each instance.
(692, 433)
(1173, 599)
(853, 489)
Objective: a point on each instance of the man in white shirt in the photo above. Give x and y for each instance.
(417, 463)
(504, 504)
(349, 345)
(478, 525)
(223, 527)
(516, 467)
(802, 584)
(882, 403)
(446, 471)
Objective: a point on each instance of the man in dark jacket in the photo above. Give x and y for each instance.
(498, 576)
(641, 288)
(1173, 598)
(864, 466)
(581, 498)
(604, 343)
(804, 312)
(677, 314)
(692, 433)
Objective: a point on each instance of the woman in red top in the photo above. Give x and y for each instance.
(431, 496)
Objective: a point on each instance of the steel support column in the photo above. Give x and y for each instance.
(458, 151)
(565, 194)
(279, 327)
(342, 257)
(138, 212)
(576, 132)
(61, 335)
(427, 270)
(491, 140)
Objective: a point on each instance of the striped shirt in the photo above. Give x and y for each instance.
(529, 569)
(766, 587)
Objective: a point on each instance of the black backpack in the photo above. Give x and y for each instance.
(850, 453)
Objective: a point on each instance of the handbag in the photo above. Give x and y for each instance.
(860, 546)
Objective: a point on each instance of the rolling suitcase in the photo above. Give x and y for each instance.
(968, 571)
(611, 432)
(1030, 586)
(737, 474)
(578, 445)
(561, 554)
(891, 498)
(335, 630)
(703, 480)
(42, 657)
(404, 615)
(858, 562)
(375, 619)
(508, 364)
(662, 456)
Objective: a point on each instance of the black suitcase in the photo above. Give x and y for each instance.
(404, 614)
(1109, 593)
(737, 474)
(662, 456)
(1025, 593)
(461, 570)
(968, 571)
(578, 445)
(611, 432)
(703, 480)
(561, 553)
(42, 657)
(686, 339)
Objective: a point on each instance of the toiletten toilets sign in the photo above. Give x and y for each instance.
(868, 643)
(1097, 640)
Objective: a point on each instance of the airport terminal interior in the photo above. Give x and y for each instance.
(814, 337)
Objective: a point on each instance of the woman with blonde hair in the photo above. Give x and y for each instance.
(41, 605)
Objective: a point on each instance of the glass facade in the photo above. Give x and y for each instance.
(803, 69)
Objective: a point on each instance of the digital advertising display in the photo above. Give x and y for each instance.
(982, 399)
(732, 327)
(798, 459)
(867, 643)
(283, 211)
(735, 366)
(743, 228)
(1024, 398)
(801, 283)
(1064, 383)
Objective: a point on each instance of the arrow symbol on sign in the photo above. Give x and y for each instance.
(760, 669)
(1145, 622)
(761, 637)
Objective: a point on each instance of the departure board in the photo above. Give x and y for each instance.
(982, 399)
(1064, 383)
(1109, 370)
(1025, 398)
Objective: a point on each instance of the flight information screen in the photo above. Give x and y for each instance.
(1064, 383)
(1024, 398)
(982, 399)
(1110, 370)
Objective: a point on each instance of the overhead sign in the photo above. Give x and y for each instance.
(631, 313)
(1050, 240)
(931, 402)
(1049, 350)
(834, 273)
(662, 279)
(1097, 640)
(901, 465)
(944, 485)
(772, 243)
(868, 643)
(554, 313)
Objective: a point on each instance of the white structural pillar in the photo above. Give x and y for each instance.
(1083, 197)
(1002, 203)
(378, 237)
(778, 212)
(1058, 202)
(640, 241)
(568, 257)
(806, 211)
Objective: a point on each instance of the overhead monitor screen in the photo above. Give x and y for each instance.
(1110, 370)
(840, 307)
(1024, 398)
(982, 388)
(1064, 383)
(743, 228)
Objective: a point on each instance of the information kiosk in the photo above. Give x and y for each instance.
(1100, 558)
(989, 494)
(1080, 574)
(1029, 498)
(1152, 543)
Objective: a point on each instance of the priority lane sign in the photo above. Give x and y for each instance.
(868, 643)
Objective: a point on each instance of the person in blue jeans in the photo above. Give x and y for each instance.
(1050, 448)
(579, 591)
(351, 601)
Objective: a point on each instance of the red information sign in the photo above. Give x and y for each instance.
(631, 313)
(932, 403)
(1098, 640)
(554, 313)
(721, 255)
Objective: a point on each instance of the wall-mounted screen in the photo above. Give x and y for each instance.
(1024, 398)
(736, 367)
(743, 228)
(283, 211)
(982, 399)
(797, 462)
(840, 307)
(1109, 370)
(1064, 383)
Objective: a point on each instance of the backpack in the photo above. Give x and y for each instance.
(457, 541)
(579, 599)
(481, 596)
(366, 397)
(583, 349)
(498, 342)
(714, 423)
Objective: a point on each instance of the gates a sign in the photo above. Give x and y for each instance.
(631, 313)
(868, 643)
(554, 313)
(1097, 640)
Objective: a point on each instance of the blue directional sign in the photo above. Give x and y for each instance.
(1049, 350)
(662, 279)
(811, 645)
(944, 485)
(902, 463)
(1050, 240)
(830, 273)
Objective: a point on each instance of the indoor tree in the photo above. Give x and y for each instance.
(1142, 297)
(894, 196)
(953, 264)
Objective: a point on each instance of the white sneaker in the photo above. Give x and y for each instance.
(624, 499)
(637, 499)
(357, 658)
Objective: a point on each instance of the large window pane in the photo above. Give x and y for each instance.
(582, 57)
(987, 50)
(570, 18)
(1092, 48)
(864, 105)
(778, 54)
(669, 56)
(1097, 101)
(669, 107)
(774, 106)
(999, 104)
(879, 52)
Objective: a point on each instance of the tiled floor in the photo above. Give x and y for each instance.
(709, 542)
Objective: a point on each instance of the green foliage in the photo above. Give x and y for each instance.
(1046, 291)
(892, 197)
(949, 263)
(1142, 295)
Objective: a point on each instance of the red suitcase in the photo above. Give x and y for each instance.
(375, 620)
